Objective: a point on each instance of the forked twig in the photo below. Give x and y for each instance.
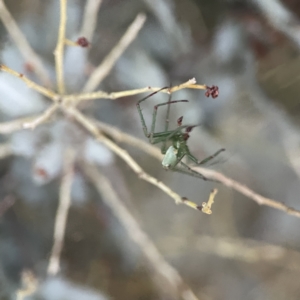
(209, 174)
(92, 128)
(62, 213)
(164, 275)
(22, 44)
(109, 61)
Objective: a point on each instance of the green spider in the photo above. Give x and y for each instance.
(178, 138)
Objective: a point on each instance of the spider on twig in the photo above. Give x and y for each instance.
(177, 137)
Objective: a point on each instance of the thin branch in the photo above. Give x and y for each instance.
(22, 44)
(209, 174)
(5, 150)
(246, 250)
(31, 84)
(92, 128)
(30, 285)
(190, 84)
(109, 61)
(45, 116)
(90, 19)
(15, 125)
(243, 189)
(62, 213)
(60, 46)
(162, 271)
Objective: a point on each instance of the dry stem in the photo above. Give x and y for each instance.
(30, 284)
(46, 115)
(5, 150)
(162, 271)
(90, 19)
(22, 44)
(62, 213)
(109, 61)
(31, 84)
(209, 174)
(60, 46)
(92, 128)
(190, 84)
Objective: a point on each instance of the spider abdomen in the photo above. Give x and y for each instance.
(170, 159)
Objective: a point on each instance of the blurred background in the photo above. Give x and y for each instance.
(250, 50)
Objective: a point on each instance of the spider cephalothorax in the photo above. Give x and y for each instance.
(178, 137)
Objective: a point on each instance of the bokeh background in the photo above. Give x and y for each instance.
(250, 49)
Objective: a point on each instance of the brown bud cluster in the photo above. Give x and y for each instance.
(212, 91)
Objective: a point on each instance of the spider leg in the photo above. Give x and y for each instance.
(205, 160)
(155, 114)
(164, 144)
(141, 114)
(185, 169)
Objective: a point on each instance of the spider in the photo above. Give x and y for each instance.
(178, 137)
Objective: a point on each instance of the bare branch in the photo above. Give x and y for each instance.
(90, 19)
(22, 44)
(92, 128)
(209, 174)
(41, 118)
(31, 84)
(62, 213)
(190, 84)
(5, 150)
(60, 46)
(29, 283)
(162, 271)
(109, 61)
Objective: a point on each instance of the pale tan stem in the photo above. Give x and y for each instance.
(109, 61)
(12, 126)
(92, 128)
(90, 19)
(31, 84)
(29, 283)
(164, 275)
(45, 116)
(60, 47)
(22, 44)
(190, 84)
(62, 213)
(209, 174)
(5, 150)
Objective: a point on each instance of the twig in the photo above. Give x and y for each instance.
(62, 213)
(30, 284)
(190, 84)
(209, 174)
(243, 189)
(11, 126)
(41, 118)
(109, 61)
(22, 44)
(246, 250)
(31, 84)
(162, 271)
(5, 150)
(90, 19)
(60, 46)
(92, 128)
